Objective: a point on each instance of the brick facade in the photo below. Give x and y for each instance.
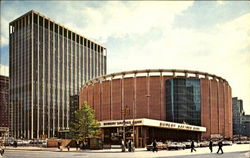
(144, 96)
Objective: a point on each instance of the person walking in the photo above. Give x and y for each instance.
(220, 147)
(192, 146)
(123, 146)
(211, 146)
(155, 146)
(77, 145)
(129, 146)
(58, 144)
(2, 150)
(132, 146)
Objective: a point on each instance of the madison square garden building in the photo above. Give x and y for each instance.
(48, 64)
(160, 104)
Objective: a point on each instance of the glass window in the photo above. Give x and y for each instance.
(183, 100)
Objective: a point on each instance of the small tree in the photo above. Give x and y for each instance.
(85, 125)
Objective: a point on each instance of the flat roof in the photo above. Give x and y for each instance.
(61, 25)
(152, 123)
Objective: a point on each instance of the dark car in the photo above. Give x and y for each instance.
(159, 145)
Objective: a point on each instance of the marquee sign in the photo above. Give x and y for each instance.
(152, 123)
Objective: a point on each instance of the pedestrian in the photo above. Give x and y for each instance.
(155, 146)
(211, 146)
(2, 150)
(85, 144)
(129, 146)
(15, 144)
(58, 144)
(220, 147)
(77, 145)
(132, 146)
(81, 146)
(192, 146)
(68, 147)
(123, 146)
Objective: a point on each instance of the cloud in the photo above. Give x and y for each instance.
(117, 19)
(223, 50)
(4, 70)
(112, 18)
(203, 15)
(147, 34)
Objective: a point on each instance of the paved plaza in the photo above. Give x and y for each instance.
(239, 151)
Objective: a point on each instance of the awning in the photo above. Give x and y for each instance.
(152, 123)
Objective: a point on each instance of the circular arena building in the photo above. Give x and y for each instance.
(162, 104)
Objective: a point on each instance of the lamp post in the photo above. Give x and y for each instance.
(125, 112)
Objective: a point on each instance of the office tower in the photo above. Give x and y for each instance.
(48, 64)
(4, 102)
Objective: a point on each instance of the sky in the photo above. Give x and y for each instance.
(207, 36)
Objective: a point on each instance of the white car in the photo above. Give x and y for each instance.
(203, 144)
(227, 143)
(188, 144)
(176, 146)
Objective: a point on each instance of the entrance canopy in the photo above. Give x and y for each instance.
(152, 123)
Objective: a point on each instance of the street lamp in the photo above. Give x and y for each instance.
(125, 112)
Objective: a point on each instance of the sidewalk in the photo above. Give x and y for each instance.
(30, 148)
(205, 150)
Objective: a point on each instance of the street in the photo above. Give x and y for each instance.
(239, 151)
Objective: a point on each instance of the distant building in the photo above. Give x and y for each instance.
(237, 116)
(48, 63)
(246, 125)
(4, 103)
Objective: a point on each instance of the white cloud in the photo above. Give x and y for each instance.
(223, 50)
(4, 39)
(4, 70)
(118, 19)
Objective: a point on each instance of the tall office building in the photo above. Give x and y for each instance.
(4, 102)
(48, 64)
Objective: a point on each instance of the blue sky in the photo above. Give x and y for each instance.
(208, 36)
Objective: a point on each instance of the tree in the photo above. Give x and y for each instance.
(85, 125)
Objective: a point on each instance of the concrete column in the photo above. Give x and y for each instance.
(58, 71)
(32, 78)
(111, 97)
(63, 104)
(38, 79)
(53, 80)
(148, 91)
(49, 80)
(43, 79)
(134, 101)
(136, 136)
(25, 78)
(67, 85)
(161, 97)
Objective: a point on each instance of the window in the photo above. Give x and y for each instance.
(183, 100)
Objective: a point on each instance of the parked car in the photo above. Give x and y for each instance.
(188, 144)
(225, 143)
(215, 143)
(242, 142)
(159, 145)
(175, 146)
(203, 144)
